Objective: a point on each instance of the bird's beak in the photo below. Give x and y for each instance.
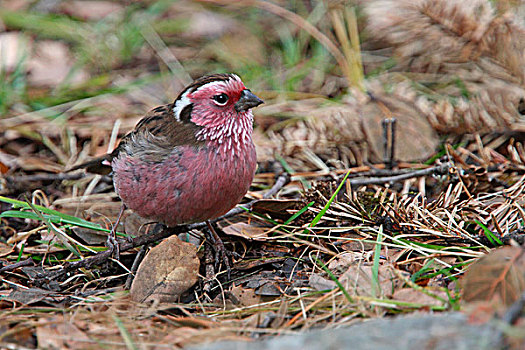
(248, 100)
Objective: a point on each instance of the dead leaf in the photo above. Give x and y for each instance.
(244, 296)
(136, 225)
(357, 280)
(23, 338)
(93, 237)
(16, 5)
(498, 275)
(28, 296)
(59, 333)
(411, 295)
(320, 283)
(51, 63)
(270, 289)
(8, 160)
(91, 10)
(268, 284)
(343, 261)
(261, 319)
(169, 269)
(90, 236)
(194, 322)
(244, 230)
(183, 337)
(13, 47)
(277, 208)
(3, 168)
(207, 24)
(6, 249)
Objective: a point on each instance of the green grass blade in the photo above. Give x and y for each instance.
(422, 270)
(20, 253)
(444, 271)
(376, 288)
(290, 170)
(66, 240)
(493, 239)
(333, 278)
(46, 25)
(50, 214)
(296, 215)
(325, 209)
(124, 333)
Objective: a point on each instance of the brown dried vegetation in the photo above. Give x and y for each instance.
(393, 236)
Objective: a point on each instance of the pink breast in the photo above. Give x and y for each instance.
(191, 185)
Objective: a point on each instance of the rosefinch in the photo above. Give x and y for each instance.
(192, 160)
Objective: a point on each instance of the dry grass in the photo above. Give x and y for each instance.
(347, 239)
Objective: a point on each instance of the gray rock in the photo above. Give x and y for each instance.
(420, 331)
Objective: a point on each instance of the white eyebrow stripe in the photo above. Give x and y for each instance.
(182, 102)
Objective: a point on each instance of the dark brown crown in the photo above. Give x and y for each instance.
(205, 80)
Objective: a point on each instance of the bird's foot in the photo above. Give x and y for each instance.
(113, 245)
(221, 253)
(112, 242)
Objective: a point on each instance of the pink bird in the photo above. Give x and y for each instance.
(192, 160)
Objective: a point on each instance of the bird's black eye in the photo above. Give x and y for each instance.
(220, 99)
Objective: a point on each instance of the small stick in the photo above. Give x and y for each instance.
(393, 124)
(436, 170)
(389, 127)
(45, 177)
(384, 124)
(135, 266)
(26, 262)
(209, 267)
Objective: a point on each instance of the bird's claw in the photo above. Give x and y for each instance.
(112, 242)
(225, 254)
(113, 246)
(221, 253)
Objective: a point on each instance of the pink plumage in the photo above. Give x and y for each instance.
(192, 160)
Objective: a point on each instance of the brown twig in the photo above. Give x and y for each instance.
(210, 268)
(389, 141)
(101, 257)
(26, 262)
(138, 259)
(45, 177)
(437, 170)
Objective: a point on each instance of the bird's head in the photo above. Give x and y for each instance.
(219, 103)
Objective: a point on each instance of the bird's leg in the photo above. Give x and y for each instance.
(218, 246)
(112, 242)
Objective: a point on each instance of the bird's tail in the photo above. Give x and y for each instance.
(100, 165)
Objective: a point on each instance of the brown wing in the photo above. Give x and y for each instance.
(157, 134)
(153, 139)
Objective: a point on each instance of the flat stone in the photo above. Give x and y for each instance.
(421, 331)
